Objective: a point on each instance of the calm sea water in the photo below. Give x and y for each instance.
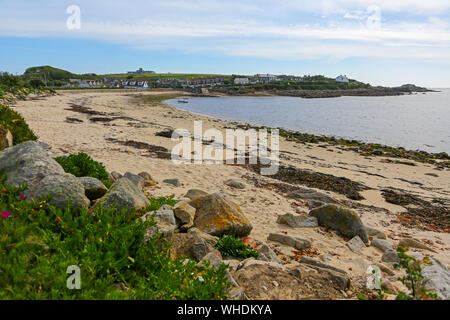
(416, 122)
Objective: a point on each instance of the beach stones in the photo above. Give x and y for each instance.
(138, 180)
(291, 241)
(375, 233)
(234, 183)
(93, 188)
(341, 219)
(381, 244)
(185, 213)
(297, 221)
(356, 245)
(124, 194)
(195, 194)
(148, 180)
(436, 278)
(217, 215)
(175, 182)
(390, 256)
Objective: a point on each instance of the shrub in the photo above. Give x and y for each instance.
(39, 242)
(14, 122)
(231, 246)
(82, 165)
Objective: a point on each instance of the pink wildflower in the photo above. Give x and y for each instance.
(5, 214)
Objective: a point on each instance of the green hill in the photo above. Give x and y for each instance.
(50, 74)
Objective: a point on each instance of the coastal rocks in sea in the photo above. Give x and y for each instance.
(408, 242)
(356, 245)
(436, 278)
(62, 188)
(124, 194)
(390, 256)
(298, 221)
(190, 246)
(194, 194)
(29, 164)
(93, 188)
(341, 219)
(185, 213)
(381, 244)
(136, 179)
(234, 183)
(291, 241)
(6, 138)
(375, 233)
(175, 182)
(217, 215)
(269, 254)
(148, 180)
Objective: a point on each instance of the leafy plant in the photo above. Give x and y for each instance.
(82, 165)
(38, 242)
(413, 277)
(15, 123)
(231, 246)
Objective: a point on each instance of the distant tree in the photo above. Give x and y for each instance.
(36, 83)
(9, 80)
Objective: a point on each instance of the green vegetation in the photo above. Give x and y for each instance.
(14, 122)
(50, 75)
(82, 165)
(39, 242)
(159, 99)
(233, 247)
(413, 277)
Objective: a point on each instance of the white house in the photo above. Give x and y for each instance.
(243, 81)
(342, 78)
(265, 78)
(135, 84)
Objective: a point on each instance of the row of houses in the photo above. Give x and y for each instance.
(267, 78)
(107, 83)
(193, 83)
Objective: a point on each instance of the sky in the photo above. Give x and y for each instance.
(382, 42)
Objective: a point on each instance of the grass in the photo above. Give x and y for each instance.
(233, 247)
(160, 99)
(39, 242)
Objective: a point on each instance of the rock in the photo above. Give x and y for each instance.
(27, 163)
(390, 256)
(385, 269)
(194, 194)
(212, 240)
(62, 188)
(340, 279)
(165, 215)
(217, 215)
(190, 246)
(234, 183)
(298, 221)
(317, 263)
(311, 195)
(292, 241)
(93, 188)
(315, 204)
(232, 264)
(356, 245)
(408, 242)
(174, 182)
(436, 278)
(388, 286)
(249, 241)
(237, 293)
(148, 180)
(214, 260)
(381, 244)
(341, 219)
(185, 213)
(375, 233)
(269, 254)
(136, 179)
(6, 138)
(114, 176)
(252, 262)
(124, 194)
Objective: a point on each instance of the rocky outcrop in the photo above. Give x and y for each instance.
(217, 215)
(29, 164)
(6, 138)
(93, 188)
(124, 194)
(298, 221)
(341, 219)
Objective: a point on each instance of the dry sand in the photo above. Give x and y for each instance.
(47, 118)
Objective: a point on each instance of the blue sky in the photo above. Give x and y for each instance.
(377, 41)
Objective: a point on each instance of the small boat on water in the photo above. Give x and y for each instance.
(183, 100)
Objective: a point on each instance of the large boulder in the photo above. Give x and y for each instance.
(124, 194)
(436, 278)
(61, 188)
(185, 213)
(93, 188)
(29, 164)
(6, 138)
(217, 215)
(341, 219)
(191, 246)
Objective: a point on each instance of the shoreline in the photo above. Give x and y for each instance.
(121, 130)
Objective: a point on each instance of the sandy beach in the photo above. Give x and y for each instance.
(100, 122)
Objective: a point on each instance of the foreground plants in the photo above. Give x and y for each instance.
(233, 247)
(39, 242)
